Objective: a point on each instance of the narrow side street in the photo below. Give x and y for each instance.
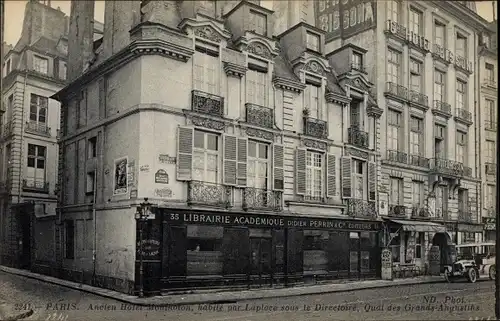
(439, 301)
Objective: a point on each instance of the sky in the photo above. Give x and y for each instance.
(14, 15)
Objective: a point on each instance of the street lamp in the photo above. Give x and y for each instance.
(141, 216)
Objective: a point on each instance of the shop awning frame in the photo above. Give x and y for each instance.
(419, 226)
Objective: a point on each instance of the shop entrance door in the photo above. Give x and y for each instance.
(261, 260)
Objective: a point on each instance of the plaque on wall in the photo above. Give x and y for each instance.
(161, 177)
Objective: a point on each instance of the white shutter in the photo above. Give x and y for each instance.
(278, 164)
(372, 180)
(241, 170)
(185, 153)
(230, 159)
(300, 171)
(346, 177)
(331, 184)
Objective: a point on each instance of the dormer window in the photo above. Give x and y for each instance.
(41, 64)
(258, 23)
(312, 41)
(357, 61)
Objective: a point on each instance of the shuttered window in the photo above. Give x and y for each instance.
(258, 165)
(205, 156)
(205, 72)
(393, 130)
(359, 180)
(256, 87)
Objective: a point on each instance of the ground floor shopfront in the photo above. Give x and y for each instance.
(183, 249)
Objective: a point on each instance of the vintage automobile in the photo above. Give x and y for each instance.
(474, 261)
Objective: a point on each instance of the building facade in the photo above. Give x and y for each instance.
(257, 149)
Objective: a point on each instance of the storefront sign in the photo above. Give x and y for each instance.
(166, 159)
(345, 18)
(271, 221)
(161, 177)
(150, 249)
(489, 223)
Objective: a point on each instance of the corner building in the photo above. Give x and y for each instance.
(243, 140)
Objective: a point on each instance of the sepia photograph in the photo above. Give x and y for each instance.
(249, 160)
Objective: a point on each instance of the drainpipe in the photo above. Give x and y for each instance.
(95, 227)
(477, 132)
(22, 137)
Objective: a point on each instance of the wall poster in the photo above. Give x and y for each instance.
(120, 176)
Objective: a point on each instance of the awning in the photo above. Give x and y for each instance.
(419, 226)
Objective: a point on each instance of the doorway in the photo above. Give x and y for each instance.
(24, 215)
(260, 268)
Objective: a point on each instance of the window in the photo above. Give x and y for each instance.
(393, 66)
(442, 202)
(256, 87)
(38, 109)
(206, 67)
(355, 108)
(461, 147)
(357, 61)
(418, 194)
(205, 157)
(439, 85)
(312, 41)
(461, 95)
(312, 102)
(90, 184)
(463, 200)
(416, 136)
(396, 248)
(7, 68)
(419, 244)
(393, 10)
(440, 142)
(490, 73)
(415, 75)
(415, 20)
(359, 180)
(69, 239)
(439, 34)
(393, 130)
(490, 196)
(92, 147)
(204, 245)
(41, 65)
(396, 185)
(490, 152)
(461, 46)
(258, 23)
(62, 71)
(258, 165)
(314, 176)
(35, 176)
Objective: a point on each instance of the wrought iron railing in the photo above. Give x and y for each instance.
(397, 29)
(37, 128)
(491, 168)
(447, 167)
(464, 114)
(490, 82)
(397, 210)
(361, 208)
(357, 137)
(6, 130)
(206, 103)
(397, 156)
(420, 212)
(396, 90)
(261, 199)
(210, 194)
(315, 127)
(358, 67)
(259, 115)
(466, 215)
(442, 107)
(31, 184)
(419, 98)
(490, 125)
(417, 160)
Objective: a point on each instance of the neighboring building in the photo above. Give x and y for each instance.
(488, 81)
(242, 139)
(33, 70)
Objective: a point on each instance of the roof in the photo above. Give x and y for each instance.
(283, 69)
(332, 84)
(48, 46)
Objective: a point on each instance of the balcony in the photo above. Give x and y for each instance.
(259, 115)
(491, 168)
(490, 83)
(315, 128)
(463, 115)
(490, 125)
(442, 108)
(209, 194)
(358, 67)
(397, 157)
(361, 208)
(419, 99)
(420, 161)
(357, 137)
(261, 199)
(6, 130)
(466, 215)
(394, 28)
(37, 128)
(34, 185)
(442, 166)
(206, 103)
(397, 210)
(420, 212)
(396, 91)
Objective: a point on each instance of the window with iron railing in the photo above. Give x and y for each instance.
(314, 175)
(415, 21)
(489, 114)
(258, 165)
(312, 94)
(461, 147)
(461, 95)
(461, 46)
(256, 87)
(38, 109)
(418, 193)
(416, 136)
(393, 10)
(439, 85)
(394, 66)
(490, 152)
(396, 189)
(35, 174)
(439, 34)
(415, 75)
(206, 157)
(394, 130)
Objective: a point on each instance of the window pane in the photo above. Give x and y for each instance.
(31, 162)
(31, 150)
(41, 151)
(199, 139)
(212, 142)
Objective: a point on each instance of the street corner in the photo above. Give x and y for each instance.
(11, 312)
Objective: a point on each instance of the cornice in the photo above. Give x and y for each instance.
(462, 14)
(336, 98)
(234, 69)
(289, 85)
(203, 28)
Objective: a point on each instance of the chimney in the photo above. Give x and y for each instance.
(81, 37)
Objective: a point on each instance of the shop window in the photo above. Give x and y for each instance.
(204, 250)
(315, 256)
(395, 246)
(420, 245)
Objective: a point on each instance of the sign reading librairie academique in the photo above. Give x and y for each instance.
(344, 18)
(270, 221)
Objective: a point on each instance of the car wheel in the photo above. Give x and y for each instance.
(493, 273)
(472, 275)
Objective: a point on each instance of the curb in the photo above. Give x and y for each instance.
(208, 298)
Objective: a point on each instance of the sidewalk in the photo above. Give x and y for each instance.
(228, 296)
